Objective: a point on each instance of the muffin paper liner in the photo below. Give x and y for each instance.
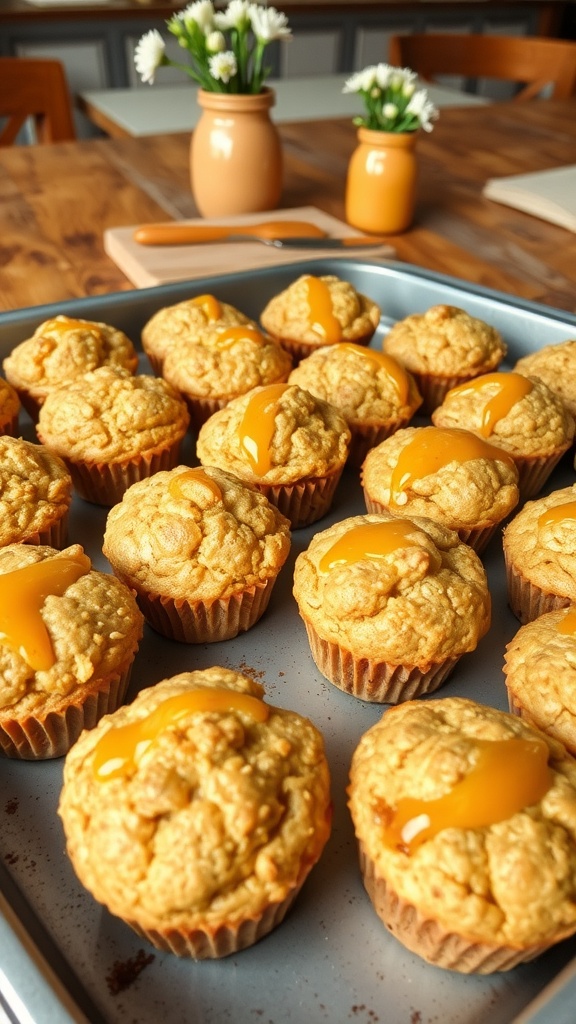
(434, 389)
(430, 940)
(534, 472)
(46, 735)
(376, 681)
(156, 362)
(305, 501)
(526, 600)
(29, 403)
(55, 535)
(476, 538)
(9, 427)
(366, 436)
(202, 407)
(103, 483)
(301, 349)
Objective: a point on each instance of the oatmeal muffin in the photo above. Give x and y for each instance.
(9, 409)
(519, 414)
(69, 635)
(465, 818)
(171, 326)
(284, 441)
(221, 363)
(315, 311)
(35, 494)
(556, 366)
(450, 475)
(540, 555)
(201, 549)
(540, 674)
(59, 350)
(112, 428)
(240, 786)
(374, 393)
(390, 604)
(444, 347)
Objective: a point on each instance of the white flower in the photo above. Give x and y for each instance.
(268, 23)
(422, 108)
(215, 42)
(223, 66)
(202, 12)
(390, 111)
(384, 75)
(362, 81)
(236, 15)
(149, 54)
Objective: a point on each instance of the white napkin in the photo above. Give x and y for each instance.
(550, 195)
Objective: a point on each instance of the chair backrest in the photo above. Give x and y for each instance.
(532, 62)
(37, 89)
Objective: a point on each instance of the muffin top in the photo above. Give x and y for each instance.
(365, 385)
(195, 533)
(541, 542)
(241, 786)
(87, 626)
(35, 489)
(540, 670)
(9, 401)
(519, 414)
(172, 325)
(556, 366)
(277, 434)
(405, 591)
(445, 340)
(450, 475)
(321, 311)
(500, 865)
(224, 361)
(62, 348)
(108, 415)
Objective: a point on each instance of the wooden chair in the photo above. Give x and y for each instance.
(37, 89)
(532, 62)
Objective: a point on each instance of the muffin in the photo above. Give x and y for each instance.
(540, 555)
(540, 674)
(112, 429)
(35, 494)
(283, 441)
(221, 363)
(444, 347)
(69, 637)
(390, 605)
(315, 311)
(201, 549)
(170, 326)
(519, 414)
(450, 475)
(556, 366)
(9, 409)
(465, 818)
(202, 841)
(374, 393)
(59, 350)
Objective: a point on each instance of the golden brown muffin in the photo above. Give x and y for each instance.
(374, 393)
(59, 350)
(442, 348)
(390, 604)
(69, 637)
(519, 414)
(556, 366)
(284, 441)
(540, 674)
(201, 549)
(221, 363)
(35, 494)
(201, 842)
(112, 429)
(466, 823)
(540, 555)
(170, 326)
(450, 475)
(9, 409)
(315, 311)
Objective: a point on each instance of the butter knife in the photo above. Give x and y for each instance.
(280, 234)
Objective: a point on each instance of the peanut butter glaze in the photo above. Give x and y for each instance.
(209, 304)
(567, 624)
(369, 540)
(511, 388)
(322, 319)
(195, 477)
(256, 428)
(557, 514)
(432, 448)
(231, 335)
(393, 369)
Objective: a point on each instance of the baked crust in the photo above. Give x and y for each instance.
(544, 555)
(287, 315)
(172, 325)
(447, 341)
(556, 366)
(35, 489)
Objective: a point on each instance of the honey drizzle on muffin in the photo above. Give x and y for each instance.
(510, 389)
(322, 319)
(256, 428)
(370, 540)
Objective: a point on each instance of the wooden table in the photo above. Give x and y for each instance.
(55, 201)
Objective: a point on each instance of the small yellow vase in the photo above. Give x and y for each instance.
(381, 182)
(235, 154)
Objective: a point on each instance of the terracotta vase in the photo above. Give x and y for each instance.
(381, 182)
(235, 154)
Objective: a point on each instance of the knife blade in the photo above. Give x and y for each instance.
(359, 242)
(185, 234)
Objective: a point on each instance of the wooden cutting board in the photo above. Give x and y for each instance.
(149, 265)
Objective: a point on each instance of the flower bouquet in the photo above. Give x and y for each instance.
(392, 100)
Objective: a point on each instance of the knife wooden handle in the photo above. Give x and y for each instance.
(186, 234)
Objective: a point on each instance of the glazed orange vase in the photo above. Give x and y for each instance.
(235, 154)
(381, 182)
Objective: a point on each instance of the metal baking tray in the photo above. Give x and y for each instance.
(64, 958)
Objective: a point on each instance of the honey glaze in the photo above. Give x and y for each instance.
(209, 305)
(432, 448)
(392, 368)
(67, 324)
(369, 540)
(509, 776)
(229, 337)
(321, 315)
(120, 750)
(194, 477)
(511, 388)
(567, 624)
(256, 428)
(557, 514)
(22, 595)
